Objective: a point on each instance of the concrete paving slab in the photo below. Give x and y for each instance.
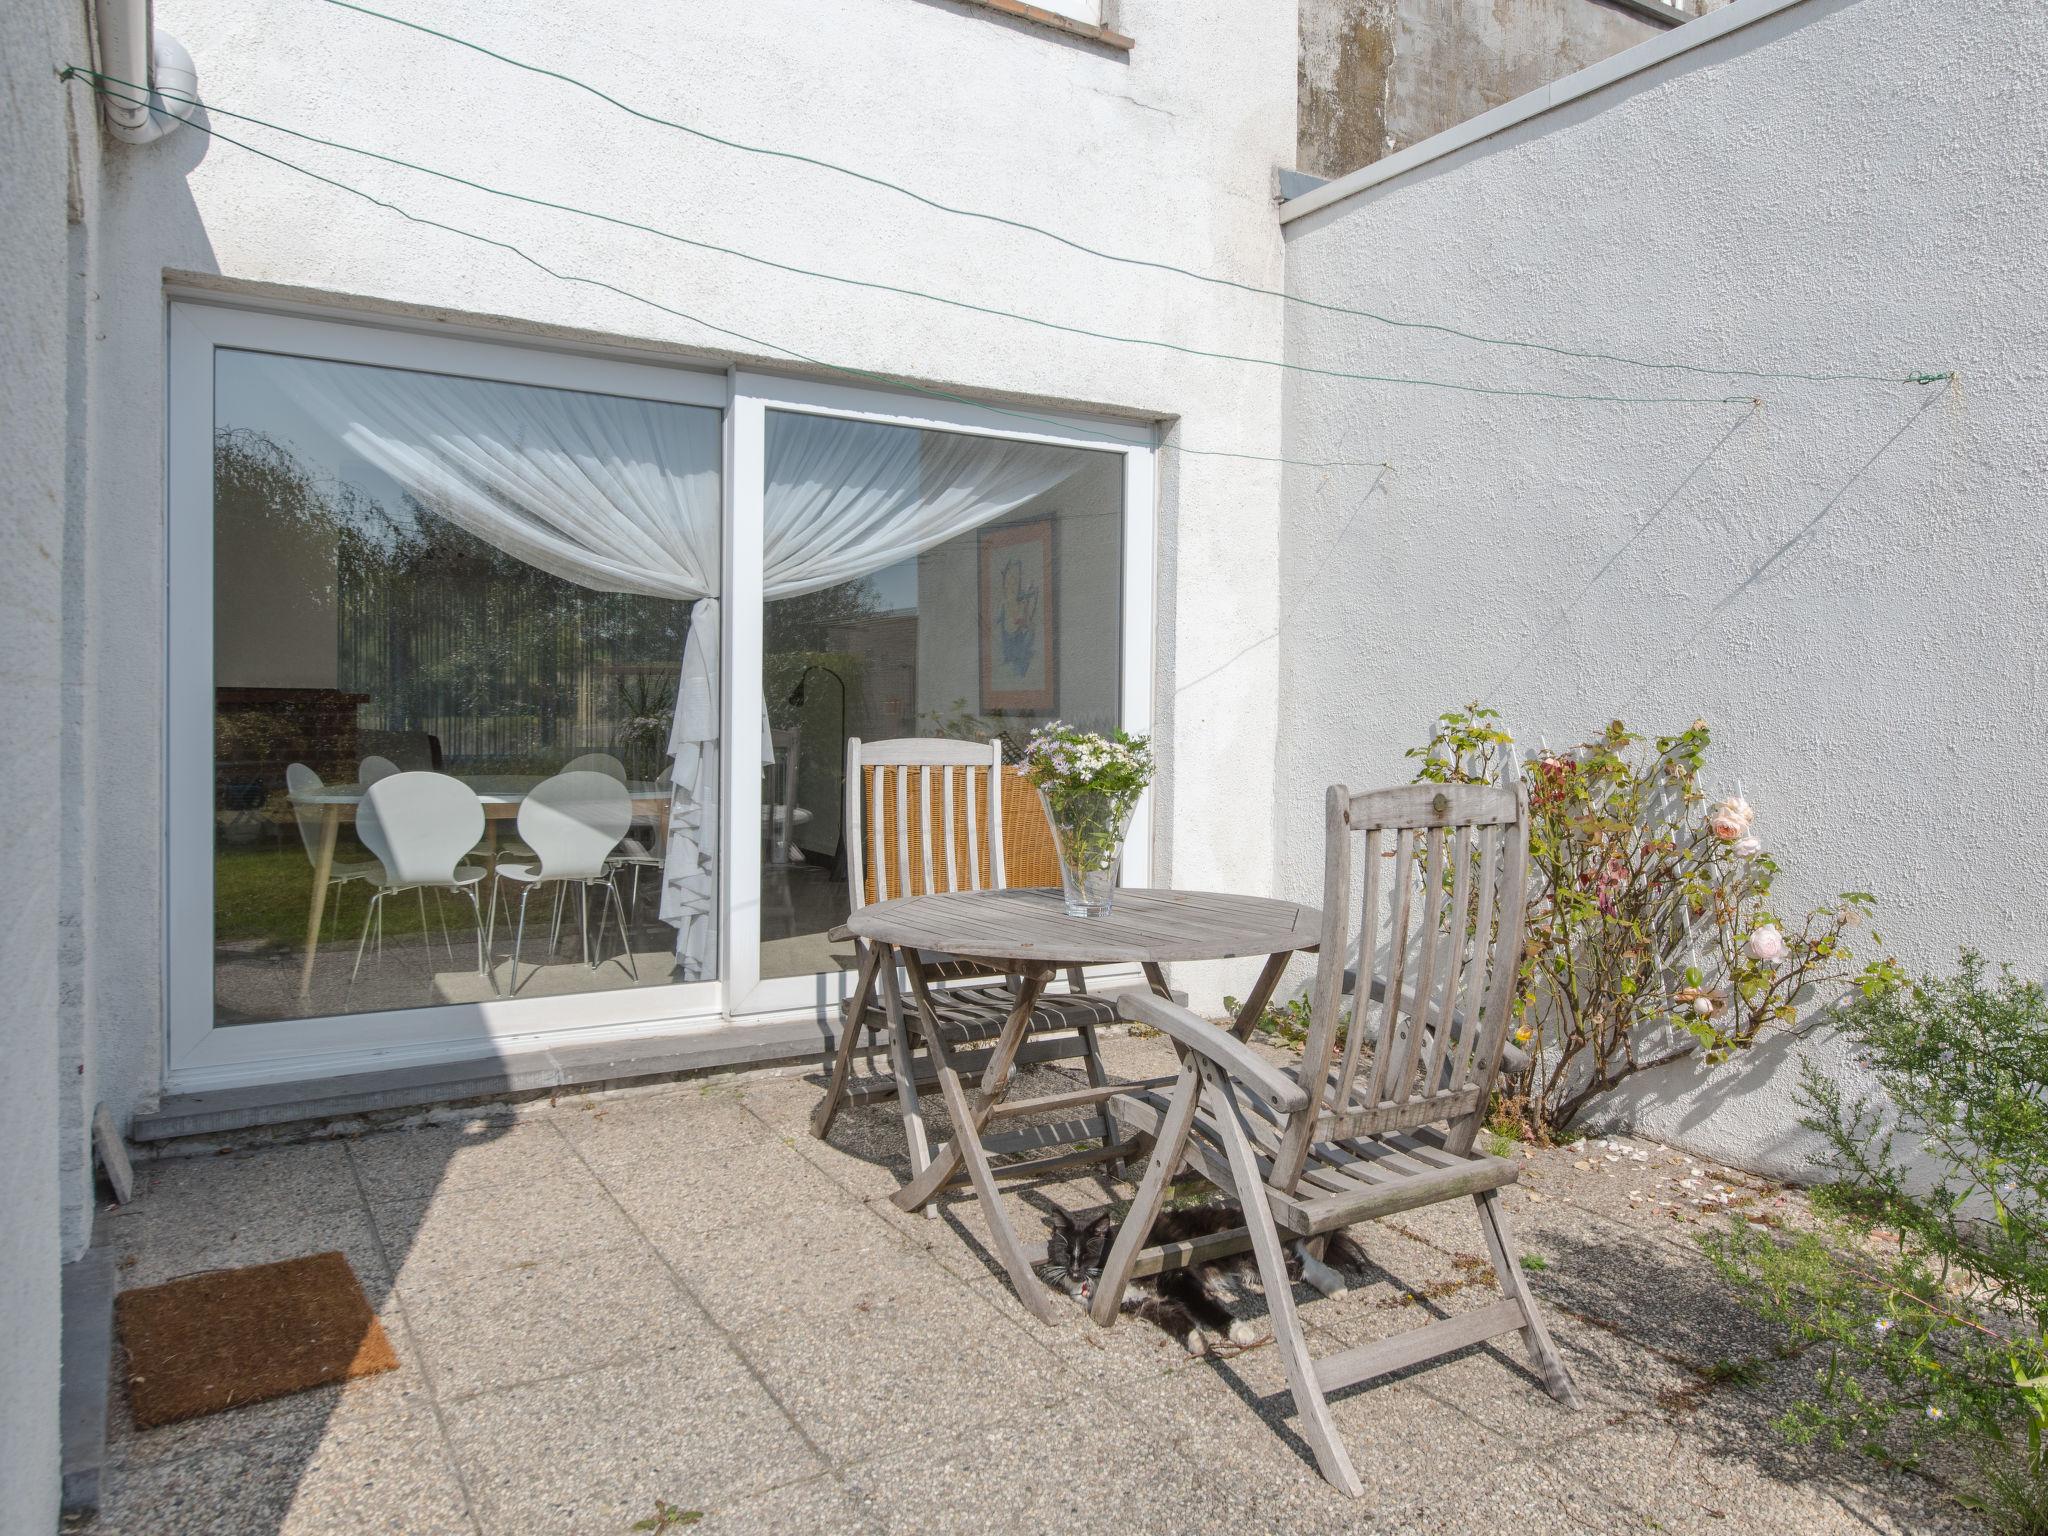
(546, 1318)
(466, 1232)
(478, 1154)
(888, 1377)
(667, 1132)
(591, 1453)
(276, 1181)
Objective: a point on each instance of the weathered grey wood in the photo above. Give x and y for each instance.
(1351, 1366)
(1317, 1427)
(1200, 1250)
(1023, 1280)
(849, 1034)
(1321, 1156)
(1402, 1084)
(1196, 1033)
(1414, 807)
(1493, 1225)
(1458, 918)
(1144, 926)
(1253, 1008)
(967, 1130)
(1172, 1131)
(1390, 1044)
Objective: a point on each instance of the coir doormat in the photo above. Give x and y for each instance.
(235, 1336)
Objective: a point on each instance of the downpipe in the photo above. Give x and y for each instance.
(131, 49)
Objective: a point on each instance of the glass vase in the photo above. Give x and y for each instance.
(1088, 842)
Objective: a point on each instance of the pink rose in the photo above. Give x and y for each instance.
(1730, 819)
(1747, 846)
(1766, 944)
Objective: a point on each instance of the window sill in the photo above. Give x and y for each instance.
(1022, 10)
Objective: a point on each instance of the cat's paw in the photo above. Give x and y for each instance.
(1244, 1331)
(1327, 1281)
(1196, 1343)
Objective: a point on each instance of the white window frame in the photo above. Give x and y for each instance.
(199, 1054)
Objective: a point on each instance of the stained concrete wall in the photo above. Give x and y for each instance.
(1847, 582)
(1379, 75)
(41, 241)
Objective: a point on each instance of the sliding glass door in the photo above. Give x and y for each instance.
(914, 567)
(919, 583)
(509, 689)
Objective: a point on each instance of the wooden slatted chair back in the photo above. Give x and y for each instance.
(1439, 921)
(923, 815)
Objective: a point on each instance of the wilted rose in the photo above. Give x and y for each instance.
(1766, 944)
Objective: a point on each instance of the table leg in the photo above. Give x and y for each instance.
(1157, 977)
(1262, 990)
(323, 869)
(946, 1162)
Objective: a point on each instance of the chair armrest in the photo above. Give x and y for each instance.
(1219, 1045)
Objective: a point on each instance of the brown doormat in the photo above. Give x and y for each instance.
(235, 1336)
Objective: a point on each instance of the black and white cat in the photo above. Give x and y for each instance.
(1183, 1302)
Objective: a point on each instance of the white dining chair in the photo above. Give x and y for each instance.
(375, 769)
(301, 783)
(421, 826)
(573, 823)
(596, 762)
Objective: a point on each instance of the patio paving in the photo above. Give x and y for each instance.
(677, 1294)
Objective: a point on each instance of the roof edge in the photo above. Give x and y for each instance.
(1697, 33)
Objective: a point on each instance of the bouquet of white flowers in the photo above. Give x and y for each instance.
(1089, 783)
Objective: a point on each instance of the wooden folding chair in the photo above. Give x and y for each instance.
(923, 816)
(1377, 1118)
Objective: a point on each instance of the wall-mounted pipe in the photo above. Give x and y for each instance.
(131, 49)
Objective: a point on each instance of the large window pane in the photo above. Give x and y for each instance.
(481, 581)
(1006, 613)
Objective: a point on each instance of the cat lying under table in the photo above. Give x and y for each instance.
(1184, 1302)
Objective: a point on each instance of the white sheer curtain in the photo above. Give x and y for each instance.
(622, 495)
(848, 498)
(611, 493)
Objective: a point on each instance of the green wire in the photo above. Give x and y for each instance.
(914, 293)
(1137, 261)
(866, 375)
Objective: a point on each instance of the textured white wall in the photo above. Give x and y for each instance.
(1166, 152)
(36, 241)
(1847, 583)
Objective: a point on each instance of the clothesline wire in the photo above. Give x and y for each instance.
(1848, 376)
(213, 109)
(864, 374)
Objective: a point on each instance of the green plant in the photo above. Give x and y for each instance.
(668, 1517)
(1925, 1292)
(1650, 931)
(1535, 1263)
(1286, 1024)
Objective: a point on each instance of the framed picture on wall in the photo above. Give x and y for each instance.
(1019, 661)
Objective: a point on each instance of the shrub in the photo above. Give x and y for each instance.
(1926, 1297)
(1650, 928)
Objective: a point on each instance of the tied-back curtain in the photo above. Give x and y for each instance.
(613, 493)
(848, 498)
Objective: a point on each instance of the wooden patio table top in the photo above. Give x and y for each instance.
(1143, 926)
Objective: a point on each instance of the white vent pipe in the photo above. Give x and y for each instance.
(132, 50)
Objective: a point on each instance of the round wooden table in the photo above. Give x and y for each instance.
(1029, 934)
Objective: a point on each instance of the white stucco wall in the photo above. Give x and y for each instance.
(1166, 152)
(1847, 583)
(39, 1125)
